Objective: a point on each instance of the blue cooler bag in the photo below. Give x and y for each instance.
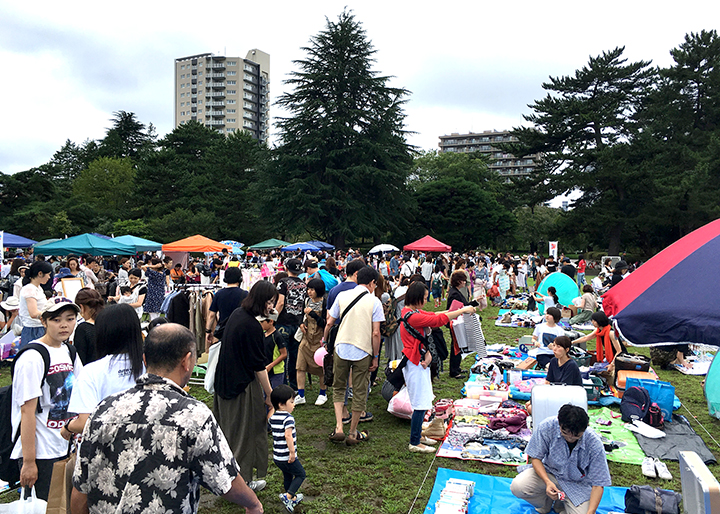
(662, 393)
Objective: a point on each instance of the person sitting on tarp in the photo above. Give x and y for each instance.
(668, 355)
(606, 344)
(544, 334)
(561, 369)
(568, 465)
(582, 312)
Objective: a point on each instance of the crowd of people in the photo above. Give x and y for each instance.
(128, 400)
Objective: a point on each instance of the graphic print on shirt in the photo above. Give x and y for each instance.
(60, 380)
(548, 338)
(294, 291)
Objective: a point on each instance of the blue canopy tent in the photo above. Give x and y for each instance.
(140, 244)
(12, 241)
(301, 246)
(322, 245)
(87, 243)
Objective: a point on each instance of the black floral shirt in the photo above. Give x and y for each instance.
(147, 450)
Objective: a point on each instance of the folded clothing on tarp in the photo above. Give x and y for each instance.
(628, 451)
(492, 495)
(679, 436)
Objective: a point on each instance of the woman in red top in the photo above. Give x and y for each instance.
(417, 369)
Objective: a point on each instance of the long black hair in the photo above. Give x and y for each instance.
(261, 293)
(35, 269)
(118, 332)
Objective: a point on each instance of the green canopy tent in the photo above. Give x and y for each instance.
(269, 244)
(86, 244)
(140, 244)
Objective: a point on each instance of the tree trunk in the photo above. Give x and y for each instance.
(338, 241)
(614, 243)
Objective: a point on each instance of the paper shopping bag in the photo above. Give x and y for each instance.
(61, 486)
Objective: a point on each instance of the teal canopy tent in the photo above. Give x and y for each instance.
(86, 244)
(140, 244)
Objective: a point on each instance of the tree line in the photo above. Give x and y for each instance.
(639, 145)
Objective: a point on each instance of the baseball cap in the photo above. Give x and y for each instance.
(56, 303)
(293, 265)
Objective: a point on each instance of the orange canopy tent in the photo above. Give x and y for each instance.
(196, 243)
(428, 244)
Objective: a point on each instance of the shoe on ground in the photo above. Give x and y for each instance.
(300, 400)
(358, 438)
(257, 485)
(298, 498)
(367, 416)
(287, 502)
(648, 467)
(321, 399)
(420, 448)
(662, 470)
(459, 375)
(427, 441)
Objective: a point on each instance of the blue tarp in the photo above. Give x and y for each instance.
(493, 496)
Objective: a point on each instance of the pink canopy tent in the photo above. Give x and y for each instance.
(428, 244)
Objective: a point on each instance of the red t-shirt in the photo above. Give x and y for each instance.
(418, 320)
(581, 266)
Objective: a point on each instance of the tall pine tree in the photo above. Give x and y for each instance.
(340, 170)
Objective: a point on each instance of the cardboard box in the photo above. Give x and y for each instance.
(528, 363)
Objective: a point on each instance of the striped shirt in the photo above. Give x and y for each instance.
(279, 422)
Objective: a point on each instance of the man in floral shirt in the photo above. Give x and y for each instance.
(147, 450)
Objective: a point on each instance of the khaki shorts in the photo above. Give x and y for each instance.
(360, 380)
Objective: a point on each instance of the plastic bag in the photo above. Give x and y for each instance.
(32, 505)
(400, 405)
(213, 356)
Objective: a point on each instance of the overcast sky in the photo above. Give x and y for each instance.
(471, 66)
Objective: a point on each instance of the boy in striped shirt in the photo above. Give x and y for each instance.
(282, 425)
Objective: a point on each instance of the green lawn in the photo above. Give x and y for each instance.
(381, 476)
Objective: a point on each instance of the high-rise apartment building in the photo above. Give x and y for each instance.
(224, 93)
(502, 162)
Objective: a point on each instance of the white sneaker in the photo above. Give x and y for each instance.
(427, 441)
(648, 467)
(662, 470)
(321, 399)
(300, 400)
(257, 485)
(421, 448)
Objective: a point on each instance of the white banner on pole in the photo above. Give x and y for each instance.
(554, 249)
(2, 246)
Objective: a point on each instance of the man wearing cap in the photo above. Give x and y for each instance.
(292, 293)
(225, 302)
(42, 441)
(568, 268)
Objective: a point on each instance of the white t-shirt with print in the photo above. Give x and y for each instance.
(31, 291)
(54, 397)
(546, 335)
(99, 379)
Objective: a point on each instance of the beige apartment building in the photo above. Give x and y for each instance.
(502, 162)
(224, 93)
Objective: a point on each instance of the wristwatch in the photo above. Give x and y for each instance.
(208, 331)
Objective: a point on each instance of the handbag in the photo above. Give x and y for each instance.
(333, 332)
(61, 486)
(213, 356)
(651, 500)
(298, 335)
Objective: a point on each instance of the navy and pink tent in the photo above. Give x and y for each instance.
(675, 296)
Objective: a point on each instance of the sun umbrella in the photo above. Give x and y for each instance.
(85, 243)
(383, 248)
(235, 247)
(300, 246)
(673, 297)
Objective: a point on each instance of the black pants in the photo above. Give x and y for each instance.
(293, 475)
(455, 361)
(292, 348)
(42, 485)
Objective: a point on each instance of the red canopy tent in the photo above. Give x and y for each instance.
(428, 244)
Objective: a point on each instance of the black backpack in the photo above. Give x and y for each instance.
(635, 404)
(9, 470)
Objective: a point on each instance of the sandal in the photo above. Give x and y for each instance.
(366, 417)
(347, 420)
(359, 437)
(336, 437)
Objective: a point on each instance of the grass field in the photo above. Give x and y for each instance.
(381, 476)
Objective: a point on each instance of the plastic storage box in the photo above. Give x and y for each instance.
(700, 489)
(547, 400)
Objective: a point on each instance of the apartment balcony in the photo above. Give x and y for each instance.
(215, 113)
(214, 94)
(215, 65)
(215, 123)
(216, 76)
(214, 104)
(217, 85)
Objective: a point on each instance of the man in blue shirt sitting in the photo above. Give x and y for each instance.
(568, 465)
